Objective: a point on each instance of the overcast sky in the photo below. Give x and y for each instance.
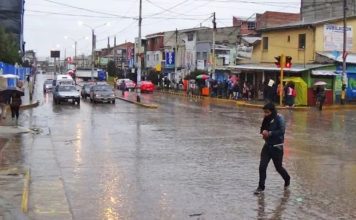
(48, 21)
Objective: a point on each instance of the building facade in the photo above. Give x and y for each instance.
(316, 10)
(12, 19)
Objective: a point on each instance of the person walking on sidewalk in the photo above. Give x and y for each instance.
(272, 130)
(15, 103)
(320, 97)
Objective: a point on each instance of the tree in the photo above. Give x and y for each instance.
(111, 68)
(9, 49)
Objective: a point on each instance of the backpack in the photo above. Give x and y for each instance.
(294, 92)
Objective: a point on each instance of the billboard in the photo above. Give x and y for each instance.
(170, 59)
(55, 54)
(334, 35)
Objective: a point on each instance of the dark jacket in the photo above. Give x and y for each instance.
(15, 100)
(276, 128)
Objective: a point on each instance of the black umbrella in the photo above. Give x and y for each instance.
(10, 91)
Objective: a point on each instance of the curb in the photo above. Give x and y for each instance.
(25, 192)
(249, 105)
(31, 105)
(26, 106)
(138, 103)
(238, 103)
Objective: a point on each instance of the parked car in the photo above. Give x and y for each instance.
(147, 86)
(129, 84)
(85, 92)
(48, 85)
(102, 93)
(66, 93)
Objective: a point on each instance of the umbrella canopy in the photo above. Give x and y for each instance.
(203, 76)
(320, 83)
(10, 91)
(10, 76)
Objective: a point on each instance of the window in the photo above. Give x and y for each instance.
(199, 56)
(251, 25)
(265, 43)
(288, 39)
(190, 36)
(302, 38)
(205, 55)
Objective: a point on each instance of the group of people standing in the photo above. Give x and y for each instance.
(232, 89)
(273, 91)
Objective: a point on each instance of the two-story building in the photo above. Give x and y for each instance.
(315, 48)
(154, 51)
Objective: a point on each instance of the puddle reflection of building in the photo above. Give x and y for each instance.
(277, 211)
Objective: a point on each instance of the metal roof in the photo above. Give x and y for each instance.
(351, 58)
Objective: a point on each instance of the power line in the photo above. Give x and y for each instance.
(169, 10)
(85, 9)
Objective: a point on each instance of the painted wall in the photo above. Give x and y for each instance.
(153, 58)
(190, 51)
(286, 42)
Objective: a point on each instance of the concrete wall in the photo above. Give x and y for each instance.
(153, 58)
(314, 10)
(190, 50)
(272, 19)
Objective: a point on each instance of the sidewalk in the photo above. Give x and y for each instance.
(12, 170)
(257, 104)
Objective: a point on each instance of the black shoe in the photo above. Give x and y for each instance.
(258, 191)
(286, 183)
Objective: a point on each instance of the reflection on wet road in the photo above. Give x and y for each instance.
(188, 159)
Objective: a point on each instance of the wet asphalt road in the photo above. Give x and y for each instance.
(188, 159)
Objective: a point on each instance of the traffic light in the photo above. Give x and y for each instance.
(288, 62)
(278, 63)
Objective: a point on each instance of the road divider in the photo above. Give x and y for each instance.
(152, 106)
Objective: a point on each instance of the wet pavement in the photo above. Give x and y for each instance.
(188, 159)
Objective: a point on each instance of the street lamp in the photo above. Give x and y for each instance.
(80, 23)
(75, 45)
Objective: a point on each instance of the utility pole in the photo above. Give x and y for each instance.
(176, 55)
(344, 43)
(282, 64)
(138, 98)
(214, 36)
(92, 54)
(65, 59)
(75, 54)
(344, 55)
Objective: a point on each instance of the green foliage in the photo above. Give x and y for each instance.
(9, 49)
(111, 68)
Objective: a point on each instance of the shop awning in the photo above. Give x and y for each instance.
(271, 67)
(337, 56)
(324, 73)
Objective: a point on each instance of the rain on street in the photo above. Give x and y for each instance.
(188, 159)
